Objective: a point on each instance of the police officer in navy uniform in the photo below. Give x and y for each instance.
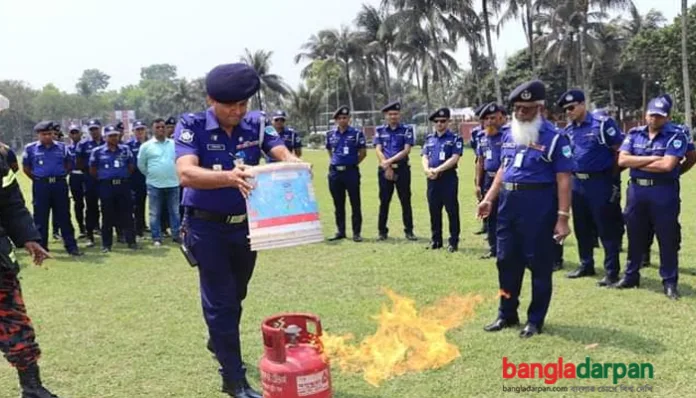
(214, 150)
(347, 149)
(82, 154)
(653, 154)
(169, 126)
(393, 142)
(58, 137)
(488, 162)
(533, 187)
(439, 157)
(292, 140)
(112, 164)
(476, 134)
(47, 162)
(137, 179)
(595, 194)
(76, 181)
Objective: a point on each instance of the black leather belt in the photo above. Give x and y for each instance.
(216, 217)
(343, 167)
(399, 165)
(50, 180)
(513, 186)
(115, 181)
(650, 182)
(587, 176)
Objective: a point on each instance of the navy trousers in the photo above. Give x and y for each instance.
(139, 194)
(225, 267)
(51, 195)
(597, 212)
(77, 190)
(92, 193)
(443, 192)
(526, 220)
(653, 208)
(403, 190)
(117, 210)
(341, 182)
(492, 219)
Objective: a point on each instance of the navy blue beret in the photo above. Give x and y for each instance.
(119, 126)
(279, 115)
(45, 125)
(232, 83)
(478, 109)
(74, 127)
(490, 109)
(139, 125)
(392, 106)
(528, 92)
(94, 123)
(170, 122)
(442, 113)
(570, 96)
(56, 127)
(341, 111)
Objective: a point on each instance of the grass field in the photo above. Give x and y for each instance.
(129, 324)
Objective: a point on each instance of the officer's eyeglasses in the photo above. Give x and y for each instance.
(525, 108)
(569, 108)
(439, 121)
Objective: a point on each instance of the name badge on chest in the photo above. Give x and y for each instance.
(489, 154)
(519, 157)
(346, 150)
(117, 163)
(442, 155)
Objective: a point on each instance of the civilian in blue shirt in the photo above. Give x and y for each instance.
(112, 164)
(214, 148)
(347, 149)
(439, 157)
(533, 187)
(393, 142)
(169, 125)
(137, 179)
(76, 181)
(653, 154)
(82, 155)
(596, 201)
(487, 165)
(47, 163)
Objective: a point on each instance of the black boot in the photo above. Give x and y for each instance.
(30, 382)
(239, 389)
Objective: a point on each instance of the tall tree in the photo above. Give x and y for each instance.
(685, 63)
(92, 81)
(491, 7)
(378, 32)
(260, 60)
(524, 10)
(162, 72)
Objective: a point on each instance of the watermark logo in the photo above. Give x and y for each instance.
(553, 371)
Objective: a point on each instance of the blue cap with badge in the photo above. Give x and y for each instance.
(570, 97)
(45, 125)
(442, 113)
(110, 130)
(491, 108)
(658, 106)
(531, 91)
(392, 106)
(279, 115)
(94, 124)
(341, 111)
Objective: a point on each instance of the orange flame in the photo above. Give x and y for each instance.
(406, 340)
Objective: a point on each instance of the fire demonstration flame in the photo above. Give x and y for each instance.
(406, 340)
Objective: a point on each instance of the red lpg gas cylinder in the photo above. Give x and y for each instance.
(293, 364)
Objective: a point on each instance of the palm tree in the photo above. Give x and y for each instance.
(524, 10)
(652, 20)
(685, 63)
(260, 60)
(609, 61)
(305, 105)
(378, 33)
(491, 7)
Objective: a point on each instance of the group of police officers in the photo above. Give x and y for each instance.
(529, 172)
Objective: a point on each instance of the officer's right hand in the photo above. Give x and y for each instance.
(38, 254)
(478, 193)
(484, 209)
(237, 179)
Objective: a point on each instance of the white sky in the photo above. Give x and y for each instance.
(44, 41)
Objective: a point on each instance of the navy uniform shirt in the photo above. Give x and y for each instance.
(291, 139)
(490, 147)
(46, 161)
(440, 148)
(537, 163)
(72, 153)
(690, 145)
(200, 134)
(475, 136)
(393, 141)
(669, 141)
(344, 146)
(84, 151)
(111, 164)
(591, 141)
(11, 156)
(134, 146)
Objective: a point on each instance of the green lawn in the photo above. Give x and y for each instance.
(129, 325)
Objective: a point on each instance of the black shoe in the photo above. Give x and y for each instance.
(434, 246)
(106, 250)
(452, 248)
(82, 235)
(239, 389)
(626, 284)
(357, 238)
(490, 254)
(176, 240)
(75, 253)
(30, 383)
(337, 237)
(608, 281)
(645, 262)
(557, 266)
(672, 292)
(411, 236)
(382, 237)
(581, 272)
(500, 324)
(481, 231)
(133, 246)
(56, 236)
(530, 330)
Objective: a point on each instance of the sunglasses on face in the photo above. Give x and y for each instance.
(569, 108)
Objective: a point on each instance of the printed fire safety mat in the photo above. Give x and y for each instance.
(282, 207)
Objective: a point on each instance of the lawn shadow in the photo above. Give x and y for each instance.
(607, 337)
(655, 285)
(688, 271)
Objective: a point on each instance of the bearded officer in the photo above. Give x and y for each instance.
(439, 157)
(653, 153)
(533, 186)
(347, 149)
(488, 163)
(596, 199)
(214, 151)
(393, 142)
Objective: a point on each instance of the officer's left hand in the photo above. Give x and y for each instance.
(384, 165)
(37, 252)
(561, 231)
